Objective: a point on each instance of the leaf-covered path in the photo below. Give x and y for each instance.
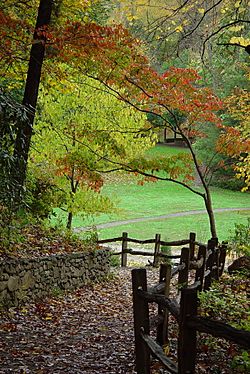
(87, 331)
(90, 331)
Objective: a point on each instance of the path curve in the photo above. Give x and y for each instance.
(155, 218)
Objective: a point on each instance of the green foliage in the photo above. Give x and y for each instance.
(219, 169)
(90, 237)
(167, 250)
(227, 301)
(239, 241)
(241, 362)
(11, 113)
(115, 260)
(13, 225)
(82, 133)
(99, 11)
(57, 292)
(42, 195)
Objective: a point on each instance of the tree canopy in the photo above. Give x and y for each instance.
(80, 135)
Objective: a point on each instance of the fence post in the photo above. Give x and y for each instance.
(124, 249)
(215, 266)
(141, 321)
(222, 257)
(183, 274)
(187, 336)
(210, 263)
(192, 237)
(157, 249)
(166, 293)
(162, 328)
(199, 275)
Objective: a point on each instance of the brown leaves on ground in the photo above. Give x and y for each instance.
(89, 331)
(36, 240)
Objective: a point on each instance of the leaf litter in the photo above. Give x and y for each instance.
(87, 331)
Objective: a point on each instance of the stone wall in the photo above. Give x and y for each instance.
(22, 280)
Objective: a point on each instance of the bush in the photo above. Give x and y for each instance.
(42, 196)
(12, 224)
(239, 241)
(226, 301)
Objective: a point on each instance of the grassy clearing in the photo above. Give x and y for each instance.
(161, 198)
(178, 227)
(152, 200)
(163, 150)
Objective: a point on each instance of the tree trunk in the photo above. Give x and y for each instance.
(210, 212)
(69, 222)
(24, 131)
(207, 196)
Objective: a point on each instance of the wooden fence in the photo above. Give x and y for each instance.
(184, 312)
(157, 254)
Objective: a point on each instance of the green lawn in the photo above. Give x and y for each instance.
(178, 227)
(161, 198)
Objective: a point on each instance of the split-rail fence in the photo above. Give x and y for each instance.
(194, 274)
(157, 253)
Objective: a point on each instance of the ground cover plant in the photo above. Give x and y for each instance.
(226, 301)
(33, 240)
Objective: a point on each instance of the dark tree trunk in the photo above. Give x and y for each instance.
(69, 221)
(206, 196)
(24, 131)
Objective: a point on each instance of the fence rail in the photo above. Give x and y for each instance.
(186, 316)
(157, 253)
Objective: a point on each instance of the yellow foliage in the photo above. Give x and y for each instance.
(179, 28)
(240, 40)
(166, 349)
(201, 10)
(239, 108)
(236, 28)
(131, 17)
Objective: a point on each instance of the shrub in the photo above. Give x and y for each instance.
(227, 301)
(239, 241)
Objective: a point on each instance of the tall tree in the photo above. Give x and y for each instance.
(111, 55)
(25, 129)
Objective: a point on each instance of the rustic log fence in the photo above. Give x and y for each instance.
(186, 316)
(206, 260)
(157, 254)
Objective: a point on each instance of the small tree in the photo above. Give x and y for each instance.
(189, 109)
(81, 133)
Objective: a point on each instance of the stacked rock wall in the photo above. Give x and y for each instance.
(23, 280)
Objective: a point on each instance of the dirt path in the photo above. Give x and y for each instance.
(88, 331)
(155, 218)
